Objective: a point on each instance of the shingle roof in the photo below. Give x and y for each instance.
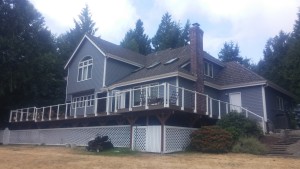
(117, 50)
(235, 73)
(183, 53)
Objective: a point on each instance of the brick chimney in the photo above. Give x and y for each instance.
(196, 46)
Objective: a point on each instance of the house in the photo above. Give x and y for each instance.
(187, 87)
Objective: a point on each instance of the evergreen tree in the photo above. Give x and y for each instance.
(168, 35)
(272, 65)
(231, 52)
(28, 62)
(292, 61)
(66, 43)
(137, 40)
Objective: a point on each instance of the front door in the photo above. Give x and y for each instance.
(235, 101)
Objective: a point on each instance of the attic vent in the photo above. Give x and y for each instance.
(153, 65)
(136, 70)
(171, 61)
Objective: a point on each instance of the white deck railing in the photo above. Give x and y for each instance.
(149, 97)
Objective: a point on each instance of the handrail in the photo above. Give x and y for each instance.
(45, 113)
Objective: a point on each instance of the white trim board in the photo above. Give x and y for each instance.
(157, 77)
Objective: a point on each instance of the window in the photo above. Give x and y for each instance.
(85, 69)
(153, 65)
(208, 69)
(279, 103)
(171, 61)
(79, 102)
(139, 93)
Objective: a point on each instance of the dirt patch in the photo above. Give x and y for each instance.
(42, 157)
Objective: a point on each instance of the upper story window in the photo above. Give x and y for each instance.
(85, 69)
(208, 69)
(279, 103)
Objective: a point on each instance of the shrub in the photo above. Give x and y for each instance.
(249, 145)
(239, 126)
(211, 139)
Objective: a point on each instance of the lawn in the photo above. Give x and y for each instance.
(43, 157)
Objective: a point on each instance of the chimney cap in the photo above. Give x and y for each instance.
(196, 24)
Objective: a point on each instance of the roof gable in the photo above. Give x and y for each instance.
(111, 50)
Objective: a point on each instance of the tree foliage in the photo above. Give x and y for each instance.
(28, 61)
(231, 52)
(137, 40)
(170, 34)
(282, 59)
(66, 43)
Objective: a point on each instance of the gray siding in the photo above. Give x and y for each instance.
(211, 92)
(251, 98)
(277, 117)
(86, 49)
(116, 70)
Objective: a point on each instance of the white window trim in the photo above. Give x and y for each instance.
(79, 102)
(210, 68)
(82, 67)
(279, 103)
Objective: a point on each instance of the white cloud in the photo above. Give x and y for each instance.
(248, 22)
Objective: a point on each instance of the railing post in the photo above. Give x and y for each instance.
(43, 113)
(168, 95)
(206, 104)
(96, 106)
(21, 116)
(146, 98)
(57, 112)
(226, 108)
(85, 103)
(116, 99)
(27, 114)
(66, 110)
(182, 99)
(75, 111)
(263, 125)
(219, 104)
(195, 106)
(130, 100)
(50, 112)
(10, 116)
(246, 113)
(210, 107)
(165, 94)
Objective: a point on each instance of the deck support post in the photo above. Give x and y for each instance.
(163, 117)
(131, 120)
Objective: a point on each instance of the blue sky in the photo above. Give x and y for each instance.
(250, 23)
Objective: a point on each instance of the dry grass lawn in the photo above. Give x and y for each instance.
(42, 157)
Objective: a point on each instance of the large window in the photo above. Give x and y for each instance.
(139, 93)
(208, 69)
(85, 69)
(279, 103)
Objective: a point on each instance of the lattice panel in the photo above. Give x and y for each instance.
(139, 138)
(24, 137)
(119, 135)
(176, 138)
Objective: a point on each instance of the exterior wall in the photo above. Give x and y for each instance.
(251, 98)
(116, 70)
(96, 82)
(211, 92)
(188, 97)
(277, 118)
